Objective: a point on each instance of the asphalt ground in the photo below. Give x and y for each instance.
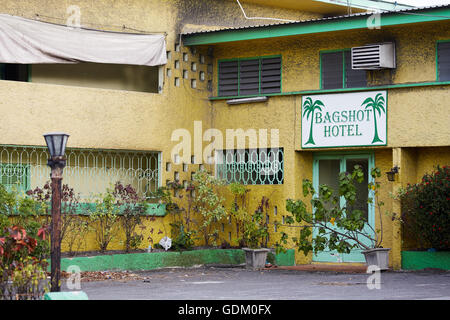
(214, 283)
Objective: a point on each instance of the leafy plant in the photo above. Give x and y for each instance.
(104, 219)
(181, 239)
(72, 225)
(339, 228)
(425, 209)
(132, 207)
(252, 229)
(208, 203)
(25, 212)
(239, 209)
(21, 272)
(179, 203)
(255, 227)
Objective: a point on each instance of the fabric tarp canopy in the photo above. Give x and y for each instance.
(26, 41)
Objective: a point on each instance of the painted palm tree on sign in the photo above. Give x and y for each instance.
(377, 106)
(309, 107)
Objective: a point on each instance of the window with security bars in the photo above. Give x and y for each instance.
(246, 77)
(443, 60)
(14, 175)
(337, 73)
(89, 171)
(251, 166)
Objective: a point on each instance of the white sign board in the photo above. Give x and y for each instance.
(344, 120)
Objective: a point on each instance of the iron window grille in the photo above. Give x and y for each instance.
(251, 166)
(89, 171)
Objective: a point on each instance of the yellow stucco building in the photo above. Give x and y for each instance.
(238, 69)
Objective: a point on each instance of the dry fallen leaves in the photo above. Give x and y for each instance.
(88, 276)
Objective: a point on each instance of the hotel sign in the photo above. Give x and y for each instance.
(344, 120)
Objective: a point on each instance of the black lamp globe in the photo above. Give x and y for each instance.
(56, 143)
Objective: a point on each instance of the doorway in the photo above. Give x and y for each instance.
(326, 169)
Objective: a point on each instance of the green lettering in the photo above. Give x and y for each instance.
(352, 116)
(335, 133)
(350, 130)
(326, 131)
(336, 116)
(368, 114)
(318, 117)
(342, 126)
(360, 115)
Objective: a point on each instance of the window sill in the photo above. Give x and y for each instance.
(321, 91)
(247, 100)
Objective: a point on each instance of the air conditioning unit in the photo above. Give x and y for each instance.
(374, 56)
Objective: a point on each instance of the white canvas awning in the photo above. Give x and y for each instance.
(27, 41)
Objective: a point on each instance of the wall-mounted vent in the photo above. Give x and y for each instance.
(372, 57)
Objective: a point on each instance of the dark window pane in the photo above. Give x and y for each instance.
(443, 52)
(14, 72)
(353, 78)
(332, 70)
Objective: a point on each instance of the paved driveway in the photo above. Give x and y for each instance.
(241, 284)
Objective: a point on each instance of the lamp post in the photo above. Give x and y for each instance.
(56, 143)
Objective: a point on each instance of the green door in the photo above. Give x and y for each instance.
(326, 171)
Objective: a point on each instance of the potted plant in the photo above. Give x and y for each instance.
(251, 227)
(338, 227)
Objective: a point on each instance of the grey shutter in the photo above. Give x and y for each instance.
(228, 78)
(353, 78)
(249, 77)
(332, 69)
(271, 75)
(443, 52)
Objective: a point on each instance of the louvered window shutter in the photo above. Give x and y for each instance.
(271, 75)
(247, 77)
(228, 78)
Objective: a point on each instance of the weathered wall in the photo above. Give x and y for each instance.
(417, 116)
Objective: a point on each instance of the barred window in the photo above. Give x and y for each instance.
(251, 166)
(243, 77)
(14, 175)
(88, 171)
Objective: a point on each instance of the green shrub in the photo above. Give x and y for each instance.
(426, 209)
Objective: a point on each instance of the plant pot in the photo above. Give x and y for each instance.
(255, 258)
(378, 257)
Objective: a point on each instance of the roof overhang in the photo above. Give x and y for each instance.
(350, 22)
(330, 6)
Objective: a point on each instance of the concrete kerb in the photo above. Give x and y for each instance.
(158, 260)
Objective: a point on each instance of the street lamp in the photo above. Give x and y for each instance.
(56, 143)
